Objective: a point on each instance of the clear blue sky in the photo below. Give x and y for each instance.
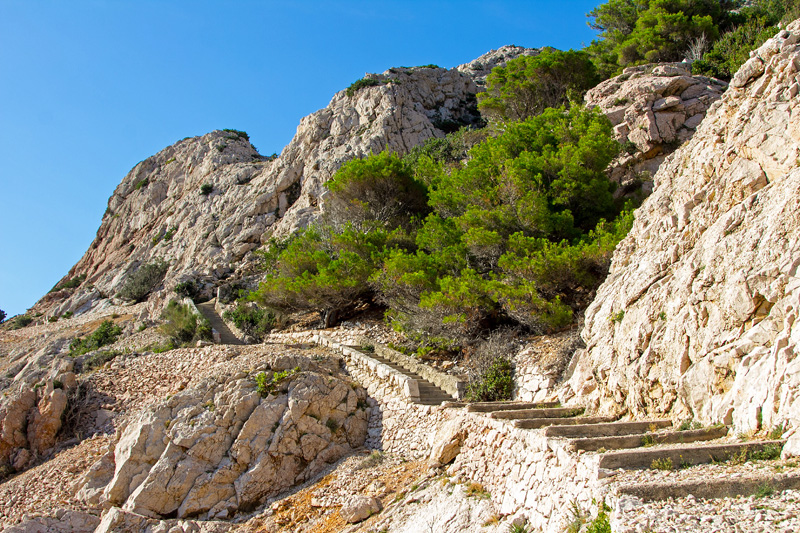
(88, 88)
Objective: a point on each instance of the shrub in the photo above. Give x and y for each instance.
(141, 282)
(379, 189)
(182, 325)
(104, 335)
(142, 184)
(98, 359)
(266, 385)
(634, 32)
(252, 320)
(527, 85)
(2, 316)
(496, 384)
(21, 321)
(206, 189)
(69, 283)
(187, 289)
(360, 84)
(237, 134)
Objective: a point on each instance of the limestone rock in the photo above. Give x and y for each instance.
(359, 508)
(222, 448)
(65, 521)
(478, 69)
(45, 421)
(13, 422)
(447, 443)
(654, 108)
(706, 282)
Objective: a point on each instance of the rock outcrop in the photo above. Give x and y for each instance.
(478, 69)
(698, 316)
(203, 203)
(222, 448)
(654, 109)
(30, 420)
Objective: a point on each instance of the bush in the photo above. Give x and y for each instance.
(754, 24)
(237, 134)
(252, 320)
(206, 189)
(378, 190)
(98, 359)
(634, 32)
(21, 321)
(69, 283)
(527, 85)
(187, 289)
(104, 335)
(495, 384)
(2, 316)
(360, 84)
(143, 280)
(183, 326)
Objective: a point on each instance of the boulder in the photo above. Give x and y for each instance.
(447, 443)
(358, 508)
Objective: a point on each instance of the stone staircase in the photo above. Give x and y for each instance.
(226, 336)
(646, 444)
(429, 394)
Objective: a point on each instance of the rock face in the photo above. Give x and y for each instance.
(654, 109)
(163, 207)
(30, 420)
(698, 317)
(222, 448)
(478, 69)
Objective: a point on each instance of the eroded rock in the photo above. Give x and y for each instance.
(222, 448)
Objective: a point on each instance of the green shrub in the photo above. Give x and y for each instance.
(664, 463)
(187, 289)
(142, 184)
(360, 84)
(69, 283)
(104, 335)
(21, 321)
(206, 189)
(98, 359)
(182, 325)
(2, 316)
(602, 522)
(496, 384)
(377, 190)
(252, 320)
(237, 134)
(141, 282)
(527, 85)
(634, 32)
(266, 385)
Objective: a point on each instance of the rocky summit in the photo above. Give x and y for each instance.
(666, 398)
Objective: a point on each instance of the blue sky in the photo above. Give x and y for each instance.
(88, 88)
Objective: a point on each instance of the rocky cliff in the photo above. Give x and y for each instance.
(697, 317)
(203, 203)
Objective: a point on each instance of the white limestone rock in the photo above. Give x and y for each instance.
(706, 283)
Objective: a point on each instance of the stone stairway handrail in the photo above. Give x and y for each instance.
(407, 385)
(450, 384)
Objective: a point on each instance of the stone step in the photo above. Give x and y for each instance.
(522, 414)
(208, 310)
(728, 487)
(536, 423)
(592, 444)
(608, 428)
(680, 456)
(429, 393)
(490, 407)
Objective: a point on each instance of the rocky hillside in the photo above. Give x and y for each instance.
(203, 203)
(698, 315)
